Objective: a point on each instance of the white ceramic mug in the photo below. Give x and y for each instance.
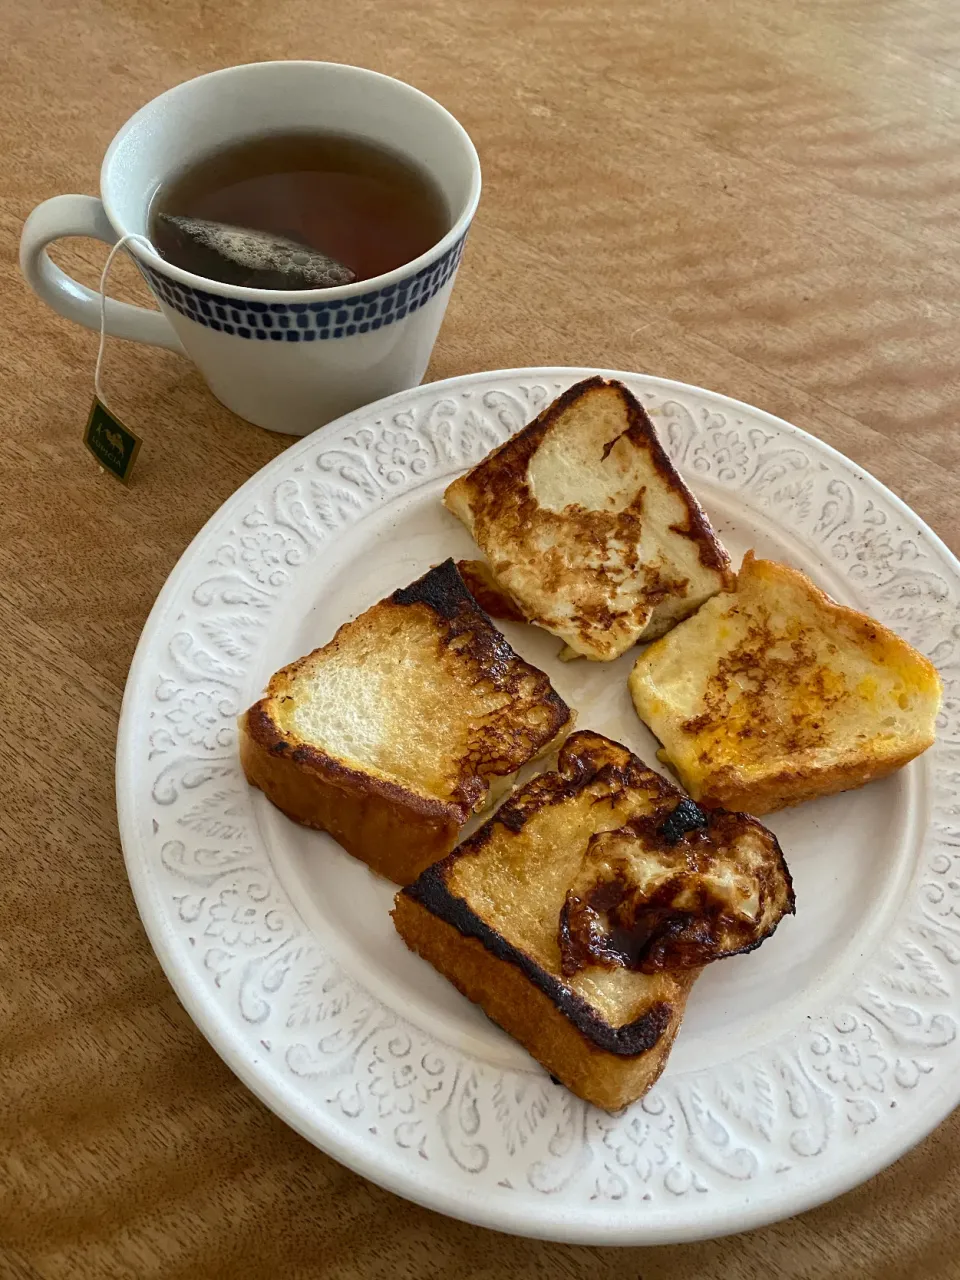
(285, 360)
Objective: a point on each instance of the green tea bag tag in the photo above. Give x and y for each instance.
(112, 444)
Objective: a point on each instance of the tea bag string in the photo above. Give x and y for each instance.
(98, 370)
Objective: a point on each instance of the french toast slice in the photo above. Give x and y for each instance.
(495, 916)
(414, 716)
(773, 694)
(586, 526)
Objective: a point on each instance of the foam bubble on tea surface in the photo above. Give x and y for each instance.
(254, 259)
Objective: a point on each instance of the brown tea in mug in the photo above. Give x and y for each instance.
(322, 208)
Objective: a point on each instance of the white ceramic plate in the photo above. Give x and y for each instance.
(799, 1071)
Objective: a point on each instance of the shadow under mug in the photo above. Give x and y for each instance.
(285, 360)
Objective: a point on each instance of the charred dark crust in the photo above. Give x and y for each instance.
(686, 817)
(633, 1038)
(440, 589)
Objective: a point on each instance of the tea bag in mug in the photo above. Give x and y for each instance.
(249, 258)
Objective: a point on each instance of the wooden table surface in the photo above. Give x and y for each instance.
(758, 197)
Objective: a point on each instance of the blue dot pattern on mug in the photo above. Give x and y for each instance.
(307, 321)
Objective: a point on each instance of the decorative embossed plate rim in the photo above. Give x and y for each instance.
(800, 1119)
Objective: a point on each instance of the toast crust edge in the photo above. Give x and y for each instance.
(430, 892)
(788, 787)
(609, 1079)
(395, 831)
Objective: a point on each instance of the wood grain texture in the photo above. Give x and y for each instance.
(760, 198)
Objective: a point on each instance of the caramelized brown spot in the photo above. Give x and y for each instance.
(746, 692)
(684, 922)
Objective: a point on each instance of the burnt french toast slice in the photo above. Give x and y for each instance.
(520, 918)
(675, 888)
(773, 694)
(415, 716)
(587, 528)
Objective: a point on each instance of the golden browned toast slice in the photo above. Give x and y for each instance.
(587, 527)
(411, 719)
(773, 694)
(495, 916)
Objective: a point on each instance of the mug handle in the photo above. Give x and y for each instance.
(83, 216)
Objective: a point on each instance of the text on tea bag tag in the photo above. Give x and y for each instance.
(113, 445)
